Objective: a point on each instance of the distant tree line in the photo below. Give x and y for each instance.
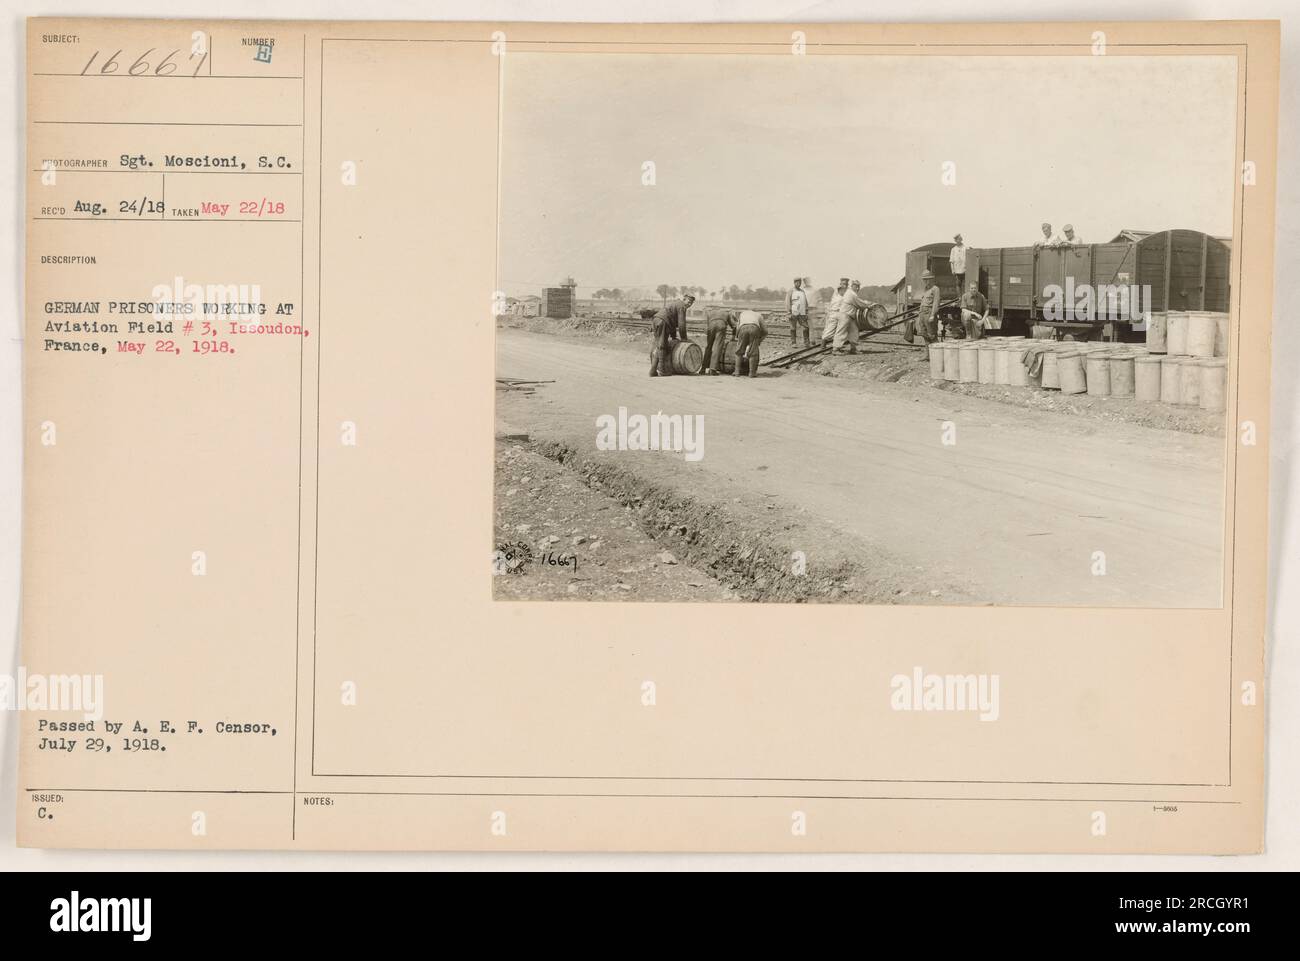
(733, 292)
(669, 291)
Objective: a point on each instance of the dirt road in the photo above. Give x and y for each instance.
(1014, 511)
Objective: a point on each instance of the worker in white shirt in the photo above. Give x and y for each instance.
(1046, 239)
(853, 311)
(810, 292)
(833, 312)
(957, 261)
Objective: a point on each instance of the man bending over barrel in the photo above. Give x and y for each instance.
(718, 321)
(667, 328)
(750, 331)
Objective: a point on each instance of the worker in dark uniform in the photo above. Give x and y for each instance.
(667, 328)
(750, 331)
(718, 321)
(927, 317)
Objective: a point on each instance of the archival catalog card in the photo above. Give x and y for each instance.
(825, 437)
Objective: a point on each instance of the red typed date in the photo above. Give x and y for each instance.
(262, 208)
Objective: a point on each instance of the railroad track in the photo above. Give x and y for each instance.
(636, 324)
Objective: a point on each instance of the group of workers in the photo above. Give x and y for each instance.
(1066, 238)
(973, 306)
(845, 312)
(973, 317)
(668, 328)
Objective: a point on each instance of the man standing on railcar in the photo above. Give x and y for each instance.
(1068, 238)
(1046, 240)
(957, 261)
(667, 328)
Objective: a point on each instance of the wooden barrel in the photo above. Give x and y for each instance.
(1176, 332)
(1146, 377)
(687, 358)
(1200, 333)
(1171, 380)
(1122, 375)
(1017, 373)
(876, 317)
(1220, 335)
(936, 361)
(951, 363)
(968, 364)
(1190, 384)
(1002, 365)
(1070, 372)
(1051, 376)
(1214, 384)
(1097, 376)
(729, 356)
(1156, 331)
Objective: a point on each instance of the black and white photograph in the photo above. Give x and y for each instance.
(866, 329)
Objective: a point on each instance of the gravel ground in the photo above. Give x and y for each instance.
(915, 372)
(559, 540)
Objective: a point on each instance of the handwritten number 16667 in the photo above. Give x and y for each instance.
(142, 67)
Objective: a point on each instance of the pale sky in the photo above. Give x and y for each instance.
(772, 166)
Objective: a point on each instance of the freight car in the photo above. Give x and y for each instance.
(1169, 270)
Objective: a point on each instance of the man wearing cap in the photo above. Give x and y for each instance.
(927, 316)
(667, 328)
(1068, 238)
(1046, 240)
(833, 312)
(957, 261)
(796, 305)
(750, 331)
(852, 309)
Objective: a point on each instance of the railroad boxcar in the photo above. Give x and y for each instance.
(1173, 269)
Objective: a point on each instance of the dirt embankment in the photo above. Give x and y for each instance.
(751, 551)
(557, 539)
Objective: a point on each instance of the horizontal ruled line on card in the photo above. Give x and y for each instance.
(161, 123)
(180, 220)
(202, 76)
(171, 172)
